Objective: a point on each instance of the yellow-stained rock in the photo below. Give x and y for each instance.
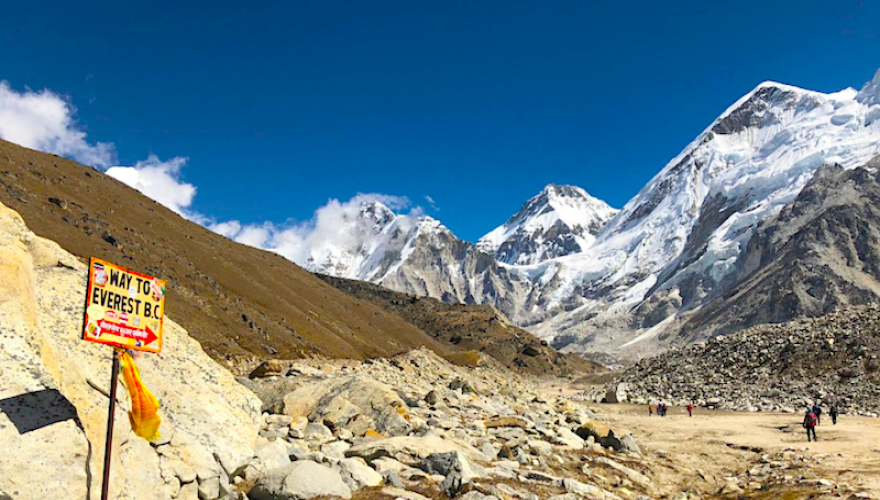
(507, 421)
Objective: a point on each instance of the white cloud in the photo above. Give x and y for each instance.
(256, 236)
(160, 180)
(44, 120)
(329, 229)
(432, 203)
(228, 228)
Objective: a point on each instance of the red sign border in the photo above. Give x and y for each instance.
(89, 288)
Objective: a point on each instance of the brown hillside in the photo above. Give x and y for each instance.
(471, 328)
(239, 302)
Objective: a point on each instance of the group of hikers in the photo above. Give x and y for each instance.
(663, 408)
(813, 417)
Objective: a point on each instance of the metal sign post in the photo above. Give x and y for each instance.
(124, 309)
(111, 416)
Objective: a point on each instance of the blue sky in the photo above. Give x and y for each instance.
(280, 107)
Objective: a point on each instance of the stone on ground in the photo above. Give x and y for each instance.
(300, 480)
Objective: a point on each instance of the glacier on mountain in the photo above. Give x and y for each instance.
(575, 271)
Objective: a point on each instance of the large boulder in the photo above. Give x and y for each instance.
(594, 429)
(300, 480)
(273, 454)
(455, 466)
(53, 402)
(357, 403)
(450, 462)
(617, 395)
(603, 434)
(357, 474)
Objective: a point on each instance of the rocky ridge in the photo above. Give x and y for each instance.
(414, 426)
(832, 359)
(477, 330)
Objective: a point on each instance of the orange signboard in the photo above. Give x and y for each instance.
(124, 308)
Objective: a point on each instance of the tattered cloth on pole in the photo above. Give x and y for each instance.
(143, 416)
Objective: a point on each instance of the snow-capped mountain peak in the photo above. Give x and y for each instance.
(371, 242)
(560, 220)
(574, 270)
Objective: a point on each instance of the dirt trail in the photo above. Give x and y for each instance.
(723, 444)
(699, 453)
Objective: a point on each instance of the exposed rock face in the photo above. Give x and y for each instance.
(821, 252)
(53, 416)
(832, 360)
(560, 220)
(440, 265)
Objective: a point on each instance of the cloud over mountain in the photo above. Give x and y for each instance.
(329, 225)
(45, 121)
(160, 180)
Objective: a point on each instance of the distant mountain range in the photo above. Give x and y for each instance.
(246, 305)
(666, 267)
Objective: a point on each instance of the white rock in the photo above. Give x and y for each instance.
(582, 489)
(209, 488)
(189, 492)
(357, 474)
(299, 481)
(273, 454)
(335, 450)
(401, 493)
(318, 432)
(566, 437)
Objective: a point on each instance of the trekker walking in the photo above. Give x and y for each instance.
(810, 422)
(690, 409)
(833, 412)
(650, 410)
(817, 410)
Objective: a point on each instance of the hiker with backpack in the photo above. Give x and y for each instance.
(810, 422)
(690, 408)
(834, 412)
(817, 410)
